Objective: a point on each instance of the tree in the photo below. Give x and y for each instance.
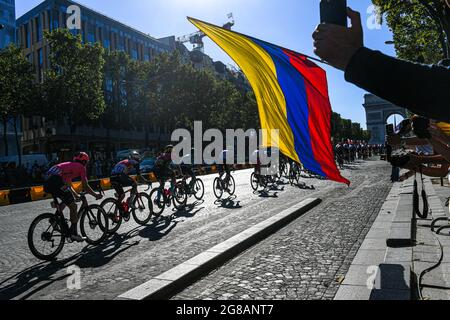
(166, 91)
(421, 28)
(73, 85)
(343, 129)
(16, 90)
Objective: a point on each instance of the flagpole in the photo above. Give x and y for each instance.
(242, 34)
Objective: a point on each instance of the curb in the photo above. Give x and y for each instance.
(167, 284)
(36, 193)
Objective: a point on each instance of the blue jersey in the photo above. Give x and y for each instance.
(125, 167)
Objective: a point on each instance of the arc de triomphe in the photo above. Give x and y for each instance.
(377, 113)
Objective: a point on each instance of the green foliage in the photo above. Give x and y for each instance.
(16, 79)
(73, 86)
(421, 28)
(167, 92)
(16, 87)
(343, 129)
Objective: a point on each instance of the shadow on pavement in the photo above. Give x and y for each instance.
(228, 203)
(266, 194)
(44, 274)
(391, 283)
(303, 186)
(190, 210)
(160, 228)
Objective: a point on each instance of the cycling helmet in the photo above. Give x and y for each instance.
(135, 156)
(168, 147)
(81, 157)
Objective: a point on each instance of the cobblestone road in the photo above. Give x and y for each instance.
(306, 258)
(137, 254)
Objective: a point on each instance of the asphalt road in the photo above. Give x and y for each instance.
(137, 254)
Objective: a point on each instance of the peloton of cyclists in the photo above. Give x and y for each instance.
(58, 183)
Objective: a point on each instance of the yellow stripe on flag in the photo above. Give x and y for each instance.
(260, 70)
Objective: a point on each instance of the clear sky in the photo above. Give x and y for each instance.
(288, 23)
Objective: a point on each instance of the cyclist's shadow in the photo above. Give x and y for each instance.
(228, 203)
(160, 228)
(44, 274)
(304, 186)
(189, 211)
(266, 194)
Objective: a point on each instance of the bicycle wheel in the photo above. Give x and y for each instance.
(179, 198)
(47, 229)
(112, 211)
(254, 182)
(94, 224)
(232, 186)
(199, 189)
(218, 190)
(141, 212)
(157, 205)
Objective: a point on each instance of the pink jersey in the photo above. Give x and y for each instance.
(68, 171)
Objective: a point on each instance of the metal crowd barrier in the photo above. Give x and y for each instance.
(36, 193)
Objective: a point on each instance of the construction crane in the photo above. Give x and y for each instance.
(196, 38)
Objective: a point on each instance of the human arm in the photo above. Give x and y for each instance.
(89, 190)
(420, 88)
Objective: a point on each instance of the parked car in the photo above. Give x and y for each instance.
(124, 154)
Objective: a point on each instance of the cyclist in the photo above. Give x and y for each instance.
(58, 183)
(224, 169)
(163, 170)
(186, 167)
(258, 163)
(120, 177)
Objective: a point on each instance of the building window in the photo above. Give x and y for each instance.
(91, 38)
(38, 29)
(120, 45)
(134, 54)
(40, 65)
(49, 20)
(27, 36)
(100, 35)
(55, 20)
(109, 85)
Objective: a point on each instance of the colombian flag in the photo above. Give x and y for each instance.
(292, 97)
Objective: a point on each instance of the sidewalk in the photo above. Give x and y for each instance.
(398, 248)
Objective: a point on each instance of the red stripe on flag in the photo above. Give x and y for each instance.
(319, 114)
